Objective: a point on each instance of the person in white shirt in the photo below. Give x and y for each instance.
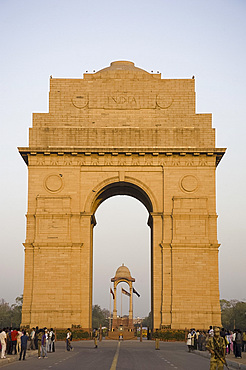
(211, 331)
(46, 339)
(3, 339)
(18, 346)
(32, 336)
(51, 340)
(189, 341)
(68, 340)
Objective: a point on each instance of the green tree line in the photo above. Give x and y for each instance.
(233, 314)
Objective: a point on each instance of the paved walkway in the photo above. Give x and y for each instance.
(234, 363)
(14, 358)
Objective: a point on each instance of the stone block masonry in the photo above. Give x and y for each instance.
(121, 130)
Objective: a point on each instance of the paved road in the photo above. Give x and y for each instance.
(112, 355)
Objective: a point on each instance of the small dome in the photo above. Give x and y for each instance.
(122, 65)
(123, 272)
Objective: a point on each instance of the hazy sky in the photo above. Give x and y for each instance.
(179, 38)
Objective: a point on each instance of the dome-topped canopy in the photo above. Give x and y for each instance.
(122, 65)
(123, 273)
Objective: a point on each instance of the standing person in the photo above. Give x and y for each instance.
(32, 337)
(228, 339)
(49, 340)
(234, 341)
(189, 341)
(52, 340)
(211, 331)
(95, 338)
(231, 341)
(199, 341)
(238, 341)
(19, 340)
(68, 340)
(3, 340)
(24, 339)
(40, 334)
(216, 346)
(9, 341)
(223, 333)
(46, 339)
(193, 334)
(196, 338)
(43, 345)
(36, 337)
(14, 334)
(244, 342)
(203, 341)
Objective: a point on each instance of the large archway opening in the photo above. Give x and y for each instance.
(122, 235)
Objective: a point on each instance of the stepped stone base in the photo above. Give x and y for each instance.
(127, 335)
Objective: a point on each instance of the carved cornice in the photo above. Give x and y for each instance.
(141, 152)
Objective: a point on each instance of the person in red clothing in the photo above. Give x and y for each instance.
(14, 334)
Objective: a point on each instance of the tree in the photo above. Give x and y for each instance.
(10, 315)
(99, 316)
(233, 314)
(16, 309)
(147, 321)
(5, 314)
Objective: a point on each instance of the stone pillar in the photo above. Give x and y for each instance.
(115, 309)
(130, 304)
(157, 282)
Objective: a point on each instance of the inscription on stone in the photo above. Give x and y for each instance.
(124, 101)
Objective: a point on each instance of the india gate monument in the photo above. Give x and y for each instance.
(121, 131)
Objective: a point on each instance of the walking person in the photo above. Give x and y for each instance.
(68, 340)
(3, 340)
(24, 339)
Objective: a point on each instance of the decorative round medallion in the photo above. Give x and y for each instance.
(164, 101)
(53, 183)
(80, 101)
(189, 183)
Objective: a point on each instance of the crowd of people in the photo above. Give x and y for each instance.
(235, 341)
(14, 341)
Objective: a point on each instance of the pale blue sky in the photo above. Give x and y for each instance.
(179, 38)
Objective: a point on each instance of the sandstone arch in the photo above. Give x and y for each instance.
(121, 129)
